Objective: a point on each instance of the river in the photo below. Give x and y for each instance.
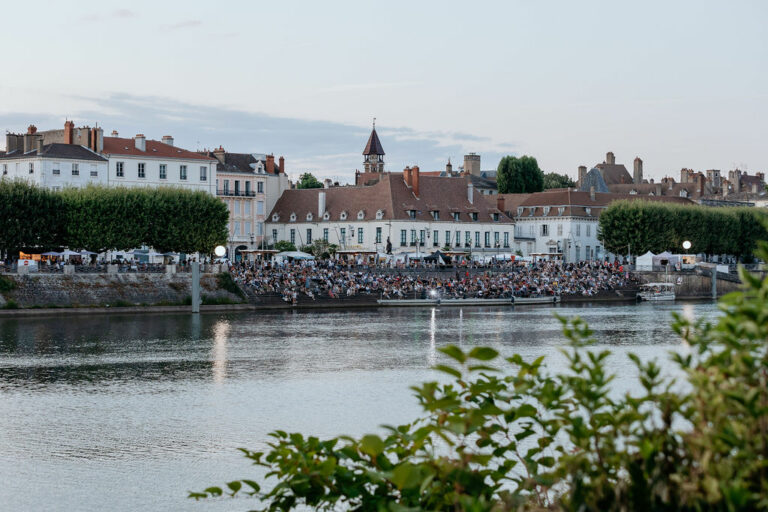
(130, 412)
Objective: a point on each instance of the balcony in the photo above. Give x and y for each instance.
(236, 193)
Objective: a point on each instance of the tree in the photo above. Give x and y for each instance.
(307, 180)
(505, 434)
(284, 245)
(519, 175)
(554, 180)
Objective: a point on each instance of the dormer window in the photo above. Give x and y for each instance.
(456, 216)
(546, 210)
(435, 215)
(473, 216)
(683, 193)
(561, 210)
(293, 217)
(633, 192)
(520, 210)
(411, 214)
(309, 216)
(343, 215)
(379, 214)
(326, 216)
(275, 217)
(360, 215)
(588, 210)
(531, 210)
(495, 217)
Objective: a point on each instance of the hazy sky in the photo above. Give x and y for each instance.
(678, 83)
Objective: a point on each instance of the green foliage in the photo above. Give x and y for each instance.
(100, 219)
(11, 304)
(227, 283)
(519, 174)
(554, 180)
(284, 245)
(320, 249)
(217, 301)
(6, 284)
(657, 227)
(504, 434)
(307, 180)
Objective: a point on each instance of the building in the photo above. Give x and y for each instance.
(250, 185)
(34, 158)
(563, 222)
(142, 162)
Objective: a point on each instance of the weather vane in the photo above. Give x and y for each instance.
(374, 123)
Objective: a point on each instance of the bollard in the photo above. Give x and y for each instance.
(195, 287)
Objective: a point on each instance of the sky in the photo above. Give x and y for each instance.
(680, 84)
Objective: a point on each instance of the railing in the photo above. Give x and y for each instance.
(236, 193)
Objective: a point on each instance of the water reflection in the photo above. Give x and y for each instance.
(219, 353)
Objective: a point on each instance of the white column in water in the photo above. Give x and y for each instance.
(195, 286)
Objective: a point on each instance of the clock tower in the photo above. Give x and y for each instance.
(373, 155)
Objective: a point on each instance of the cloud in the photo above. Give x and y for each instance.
(325, 148)
(184, 24)
(117, 13)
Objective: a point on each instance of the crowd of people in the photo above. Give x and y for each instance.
(311, 279)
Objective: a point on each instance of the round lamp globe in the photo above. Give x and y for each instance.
(220, 251)
(686, 245)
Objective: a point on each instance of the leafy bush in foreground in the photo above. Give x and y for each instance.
(526, 440)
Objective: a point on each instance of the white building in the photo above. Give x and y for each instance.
(55, 166)
(142, 162)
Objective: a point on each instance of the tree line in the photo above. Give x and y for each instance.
(516, 175)
(98, 219)
(642, 226)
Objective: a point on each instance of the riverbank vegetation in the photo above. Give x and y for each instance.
(98, 219)
(642, 226)
(506, 434)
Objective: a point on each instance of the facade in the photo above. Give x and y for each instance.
(249, 184)
(55, 166)
(562, 222)
(142, 162)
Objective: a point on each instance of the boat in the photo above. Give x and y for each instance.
(657, 292)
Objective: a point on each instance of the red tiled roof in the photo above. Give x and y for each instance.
(154, 149)
(393, 197)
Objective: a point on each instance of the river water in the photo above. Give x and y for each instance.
(131, 412)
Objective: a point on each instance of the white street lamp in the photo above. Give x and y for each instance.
(220, 251)
(686, 245)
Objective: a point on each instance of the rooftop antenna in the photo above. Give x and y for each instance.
(374, 123)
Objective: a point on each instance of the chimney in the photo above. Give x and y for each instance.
(609, 158)
(658, 189)
(449, 168)
(470, 192)
(582, 173)
(39, 146)
(591, 193)
(140, 142)
(31, 129)
(219, 154)
(114, 133)
(320, 204)
(69, 127)
(500, 203)
(168, 139)
(407, 176)
(270, 164)
(754, 188)
(415, 180)
(281, 161)
(637, 176)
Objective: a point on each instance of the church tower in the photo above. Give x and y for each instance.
(373, 155)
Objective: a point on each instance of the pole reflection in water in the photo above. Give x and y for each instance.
(219, 352)
(432, 357)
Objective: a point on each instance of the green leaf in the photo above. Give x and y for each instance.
(483, 353)
(447, 369)
(372, 445)
(454, 352)
(234, 486)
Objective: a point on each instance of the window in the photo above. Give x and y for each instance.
(495, 217)
(325, 234)
(477, 239)
(293, 236)
(378, 235)
(237, 228)
(496, 239)
(163, 171)
(458, 239)
(546, 210)
(589, 230)
(456, 216)
(578, 229)
(447, 238)
(413, 237)
(559, 230)
(57, 169)
(247, 230)
(309, 216)
(545, 230)
(247, 188)
(467, 239)
(359, 235)
(309, 236)
(237, 207)
(31, 168)
(360, 215)
(422, 234)
(403, 234)
(119, 169)
(506, 239)
(274, 235)
(247, 206)
(343, 215)
(260, 230)
(75, 169)
(94, 171)
(436, 215)
(435, 237)
(343, 235)
(203, 173)
(182, 172)
(379, 214)
(519, 210)
(487, 239)
(226, 187)
(411, 214)
(142, 173)
(237, 187)
(473, 215)
(586, 253)
(530, 230)
(260, 187)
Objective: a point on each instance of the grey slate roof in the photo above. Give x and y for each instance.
(374, 145)
(594, 179)
(58, 150)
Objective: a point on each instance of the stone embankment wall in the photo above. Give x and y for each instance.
(84, 290)
(692, 285)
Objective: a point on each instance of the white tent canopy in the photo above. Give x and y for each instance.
(666, 258)
(645, 262)
(297, 255)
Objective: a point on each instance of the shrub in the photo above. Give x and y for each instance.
(6, 284)
(227, 283)
(11, 304)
